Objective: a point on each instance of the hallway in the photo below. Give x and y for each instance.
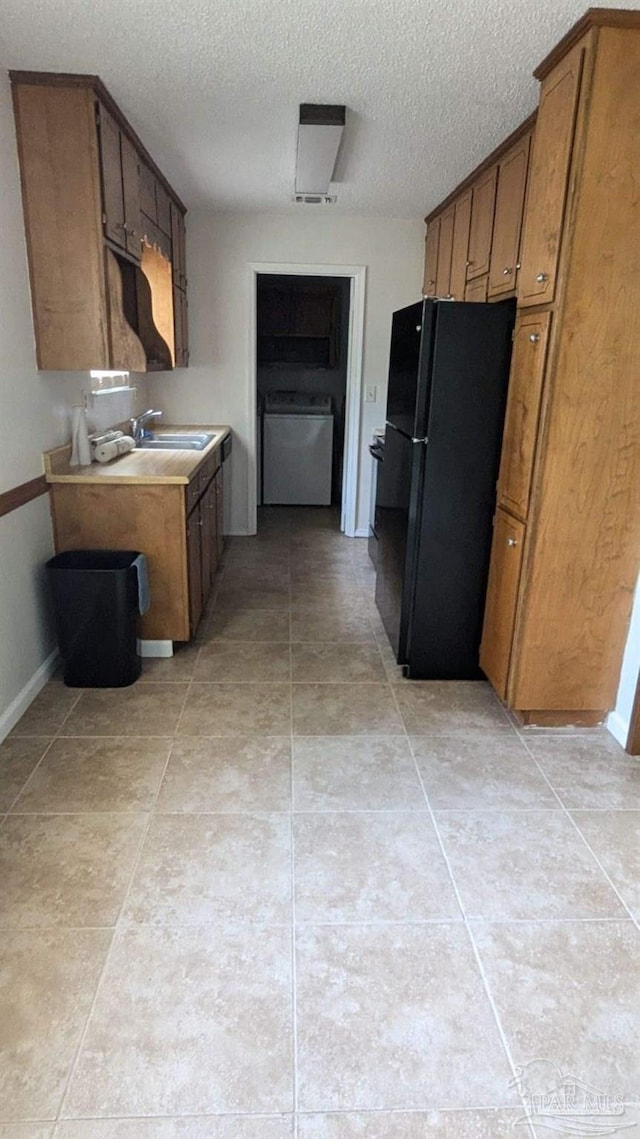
(274, 889)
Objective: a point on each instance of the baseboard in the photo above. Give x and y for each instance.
(362, 533)
(618, 727)
(27, 695)
(155, 648)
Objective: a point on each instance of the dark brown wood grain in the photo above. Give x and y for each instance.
(20, 495)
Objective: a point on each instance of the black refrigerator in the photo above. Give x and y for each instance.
(436, 491)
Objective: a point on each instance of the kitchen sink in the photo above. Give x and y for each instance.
(178, 442)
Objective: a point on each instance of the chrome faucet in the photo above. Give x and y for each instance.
(138, 423)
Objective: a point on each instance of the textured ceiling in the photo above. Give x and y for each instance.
(213, 86)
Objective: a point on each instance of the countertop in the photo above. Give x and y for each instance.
(147, 467)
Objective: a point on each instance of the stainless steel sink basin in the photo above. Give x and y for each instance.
(176, 442)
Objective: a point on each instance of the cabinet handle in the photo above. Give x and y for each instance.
(512, 541)
(468, 264)
(534, 337)
(542, 277)
(518, 265)
(507, 272)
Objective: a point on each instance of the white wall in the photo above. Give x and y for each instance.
(34, 416)
(220, 247)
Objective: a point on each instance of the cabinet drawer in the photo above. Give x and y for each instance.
(523, 411)
(502, 600)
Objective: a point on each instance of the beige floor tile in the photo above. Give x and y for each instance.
(202, 868)
(48, 712)
(246, 625)
(221, 1127)
(338, 663)
(331, 773)
(531, 864)
(239, 661)
(448, 707)
(141, 710)
(381, 1011)
(237, 709)
(229, 773)
(47, 982)
(343, 592)
(26, 1130)
(488, 1124)
(363, 866)
(614, 837)
(18, 757)
(588, 771)
(483, 770)
(326, 624)
(86, 774)
(189, 1021)
(70, 870)
(179, 667)
(567, 992)
(274, 596)
(344, 710)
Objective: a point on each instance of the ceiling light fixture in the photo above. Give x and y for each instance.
(320, 130)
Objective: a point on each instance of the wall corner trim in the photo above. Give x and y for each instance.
(9, 718)
(618, 727)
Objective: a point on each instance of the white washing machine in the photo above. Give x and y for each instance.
(297, 455)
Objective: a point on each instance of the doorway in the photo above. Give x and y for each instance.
(306, 360)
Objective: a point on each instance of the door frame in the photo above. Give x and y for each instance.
(353, 403)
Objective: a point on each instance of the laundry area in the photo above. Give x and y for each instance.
(302, 346)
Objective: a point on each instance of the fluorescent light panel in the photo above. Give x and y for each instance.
(320, 132)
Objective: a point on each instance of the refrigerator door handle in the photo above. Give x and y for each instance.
(424, 441)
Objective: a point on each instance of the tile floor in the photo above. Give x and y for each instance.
(275, 890)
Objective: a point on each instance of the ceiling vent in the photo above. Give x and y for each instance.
(315, 199)
(320, 130)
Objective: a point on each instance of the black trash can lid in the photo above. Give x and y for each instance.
(93, 560)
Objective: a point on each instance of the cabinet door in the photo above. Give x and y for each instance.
(502, 600)
(194, 564)
(208, 538)
(180, 328)
(523, 411)
(312, 312)
(548, 179)
(178, 256)
(460, 250)
(432, 241)
(476, 290)
(219, 485)
(481, 230)
(131, 195)
(148, 203)
(512, 183)
(111, 171)
(163, 203)
(443, 272)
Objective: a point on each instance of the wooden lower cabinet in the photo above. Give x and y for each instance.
(176, 526)
(502, 600)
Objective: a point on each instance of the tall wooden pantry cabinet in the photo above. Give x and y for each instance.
(566, 544)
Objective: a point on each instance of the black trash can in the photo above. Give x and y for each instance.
(96, 600)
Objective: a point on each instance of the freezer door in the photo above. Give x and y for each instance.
(297, 459)
(410, 367)
(399, 477)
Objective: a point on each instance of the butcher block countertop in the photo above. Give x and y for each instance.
(142, 466)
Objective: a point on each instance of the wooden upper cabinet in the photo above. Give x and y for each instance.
(502, 600)
(523, 411)
(549, 179)
(120, 186)
(445, 247)
(148, 203)
(481, 230)
(432, 241)
(476, 290)
(507, 229)
(460, 248)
